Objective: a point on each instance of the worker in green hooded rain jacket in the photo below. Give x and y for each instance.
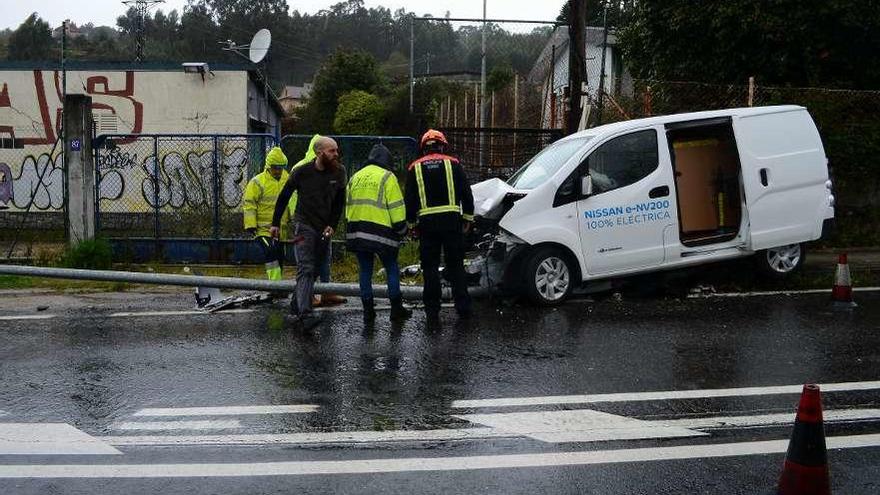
(259, 200)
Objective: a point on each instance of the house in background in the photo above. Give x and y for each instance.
(73, 31)
(551, 72)
(293, 97)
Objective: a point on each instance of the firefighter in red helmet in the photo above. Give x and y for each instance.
(440, 208)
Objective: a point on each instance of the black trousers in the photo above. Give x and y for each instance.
(451, 245)
(273, 256)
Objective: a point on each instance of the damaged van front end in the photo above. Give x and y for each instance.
(494, 249)
(519, 240)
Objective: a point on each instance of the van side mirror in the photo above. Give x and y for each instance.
(586, 186)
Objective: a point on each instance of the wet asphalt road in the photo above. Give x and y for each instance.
(89, 367)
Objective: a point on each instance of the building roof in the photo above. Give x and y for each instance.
(296, 92)
(458, 74)
(163, 66)
(114, 66)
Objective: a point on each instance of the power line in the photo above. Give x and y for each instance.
(142, 8)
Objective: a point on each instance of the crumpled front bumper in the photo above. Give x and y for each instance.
(492, 264)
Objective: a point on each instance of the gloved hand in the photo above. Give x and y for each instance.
(466, 227)
(274, 232)
(251, 232)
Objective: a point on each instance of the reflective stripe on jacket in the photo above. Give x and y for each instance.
(374, 210)
(437, 188)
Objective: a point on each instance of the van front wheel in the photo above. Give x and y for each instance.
(782, 261)
(548, 277)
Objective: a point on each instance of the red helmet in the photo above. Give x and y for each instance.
(433, 137)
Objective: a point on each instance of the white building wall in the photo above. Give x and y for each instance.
(123, 102)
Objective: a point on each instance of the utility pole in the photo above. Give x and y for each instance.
(63, 128)
(601, 90)
(63, 73)
(576, 62)
(412, 64)
(483, 105)
(142, 7)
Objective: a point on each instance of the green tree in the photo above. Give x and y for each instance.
(31, 41)
(4, 43)
(198, 33)
(499, 78)
(344, 71)
(618, 12)
(360, 113)
(784, 42)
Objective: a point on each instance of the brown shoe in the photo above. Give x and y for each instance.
(332, 299)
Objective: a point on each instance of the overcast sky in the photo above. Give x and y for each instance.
(105, 12)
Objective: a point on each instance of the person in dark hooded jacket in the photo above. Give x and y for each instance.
(376, 218)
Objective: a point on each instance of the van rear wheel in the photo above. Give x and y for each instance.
(782, 261)
(548, 277)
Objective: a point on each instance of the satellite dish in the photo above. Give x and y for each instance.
(259, 46)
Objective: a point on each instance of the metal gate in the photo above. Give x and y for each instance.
(175, 196)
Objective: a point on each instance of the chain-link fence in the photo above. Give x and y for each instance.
(498, 131)
(32, 195)
(354, 150)
(184, 186)
(505, 149)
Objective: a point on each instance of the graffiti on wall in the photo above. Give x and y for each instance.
(184, 179)
(115, 159)
(40, 183)
(5, 185)
(30, 114)
(30, 124)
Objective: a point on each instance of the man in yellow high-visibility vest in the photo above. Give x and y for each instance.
(258, 205)
(376, 217)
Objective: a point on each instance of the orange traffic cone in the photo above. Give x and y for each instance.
(805, 471)
(841, 293)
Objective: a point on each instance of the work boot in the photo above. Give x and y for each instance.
(369, 309)
(332, 300)
(398, 310)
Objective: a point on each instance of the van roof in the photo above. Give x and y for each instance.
(625, 125)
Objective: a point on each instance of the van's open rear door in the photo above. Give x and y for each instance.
(784, 171)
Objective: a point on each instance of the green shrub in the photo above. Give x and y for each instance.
(359, 113)
(94, 254)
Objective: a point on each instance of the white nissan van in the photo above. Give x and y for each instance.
(656, 194)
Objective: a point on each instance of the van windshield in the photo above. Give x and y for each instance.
(543, 165)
